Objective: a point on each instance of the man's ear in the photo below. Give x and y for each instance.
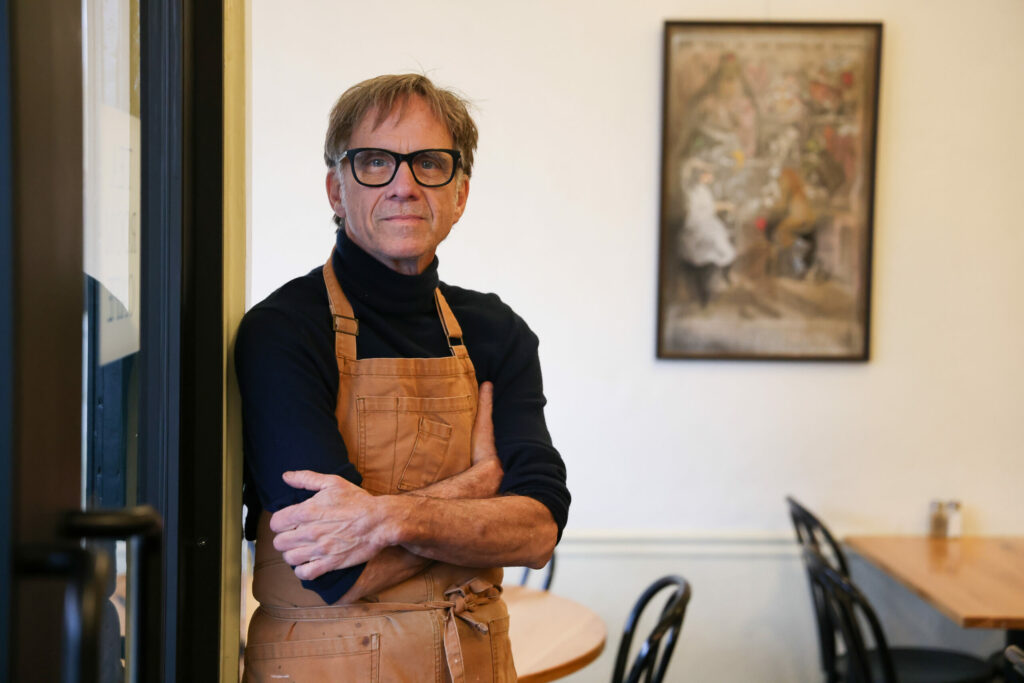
(461, 194)
(334, 193)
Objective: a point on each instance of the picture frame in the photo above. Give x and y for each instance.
(767, 190)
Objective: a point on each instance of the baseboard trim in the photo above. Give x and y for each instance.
(648, 543)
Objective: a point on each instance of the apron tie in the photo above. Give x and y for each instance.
(460, 602)
(469, 596)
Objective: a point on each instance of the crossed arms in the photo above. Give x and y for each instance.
(460, 520)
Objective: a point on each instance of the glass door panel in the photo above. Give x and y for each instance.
(111, 322)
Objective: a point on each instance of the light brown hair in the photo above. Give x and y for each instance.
(386, 93)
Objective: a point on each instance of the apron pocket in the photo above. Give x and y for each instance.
(350, 658)
(408, 442)
(378, 437)
(428, 453)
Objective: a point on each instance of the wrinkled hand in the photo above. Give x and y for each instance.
(338, 527)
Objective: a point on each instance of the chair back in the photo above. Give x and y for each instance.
(811, 531)
(812, 534)
(656, 650)
(1015, 656)
(850, 611)
(549, 574)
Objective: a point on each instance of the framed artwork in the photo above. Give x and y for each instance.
(767, 190)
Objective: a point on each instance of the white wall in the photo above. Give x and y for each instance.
(562, 222)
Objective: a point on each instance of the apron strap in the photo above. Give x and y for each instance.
(346, 327)
(452, 330)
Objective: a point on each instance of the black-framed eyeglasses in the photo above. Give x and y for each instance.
(375, 167)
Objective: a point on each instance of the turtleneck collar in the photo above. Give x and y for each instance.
(365, 279)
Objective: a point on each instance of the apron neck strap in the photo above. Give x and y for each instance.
(346, 327)
(452, 331)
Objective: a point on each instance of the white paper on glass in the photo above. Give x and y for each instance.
(112, 173)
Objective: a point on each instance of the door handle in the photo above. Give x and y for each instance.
(142, 527)
(87, 572)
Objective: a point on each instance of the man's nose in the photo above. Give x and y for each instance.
(404, 183)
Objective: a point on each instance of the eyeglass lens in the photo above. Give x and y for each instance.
(378, 167)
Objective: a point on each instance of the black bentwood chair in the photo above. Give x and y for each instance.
(654, 654)
(813, 534)
(849, 610)
(1015, 656)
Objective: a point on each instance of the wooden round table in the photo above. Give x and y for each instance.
(551, 636)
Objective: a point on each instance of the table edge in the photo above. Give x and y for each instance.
(562, 670)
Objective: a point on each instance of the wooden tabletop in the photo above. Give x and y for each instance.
(976, 581)
(551, 636)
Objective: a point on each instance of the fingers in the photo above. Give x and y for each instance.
(286, 519)
(292, 516)
(306, 511)
(309, 480)
(314, 557)
(313, 569)
(296, 537)
(300, 555)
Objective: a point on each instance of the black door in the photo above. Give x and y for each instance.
(110, 438)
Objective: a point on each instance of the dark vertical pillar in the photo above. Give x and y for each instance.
(162, 122)
(202, 375)
(6, 345)
(46, 392)
(181, 431)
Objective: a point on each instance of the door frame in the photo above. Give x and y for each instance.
(200, 533)
(182, 416)
(162, 135)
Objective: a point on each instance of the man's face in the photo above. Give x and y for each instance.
(401, 223)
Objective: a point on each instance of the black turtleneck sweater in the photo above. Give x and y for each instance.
(288, 377)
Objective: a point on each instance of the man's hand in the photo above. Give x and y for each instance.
(338, 527)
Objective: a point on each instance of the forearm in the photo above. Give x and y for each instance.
(479, 481)
(395, 564)
(491, 532)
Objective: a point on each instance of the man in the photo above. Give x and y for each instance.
(383, 497)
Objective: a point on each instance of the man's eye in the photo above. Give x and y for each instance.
(431, 162)
(375, 160)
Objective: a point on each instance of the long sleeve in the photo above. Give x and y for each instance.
(288, 422)
(504, 351)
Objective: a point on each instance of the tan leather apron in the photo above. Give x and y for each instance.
(406, 422)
